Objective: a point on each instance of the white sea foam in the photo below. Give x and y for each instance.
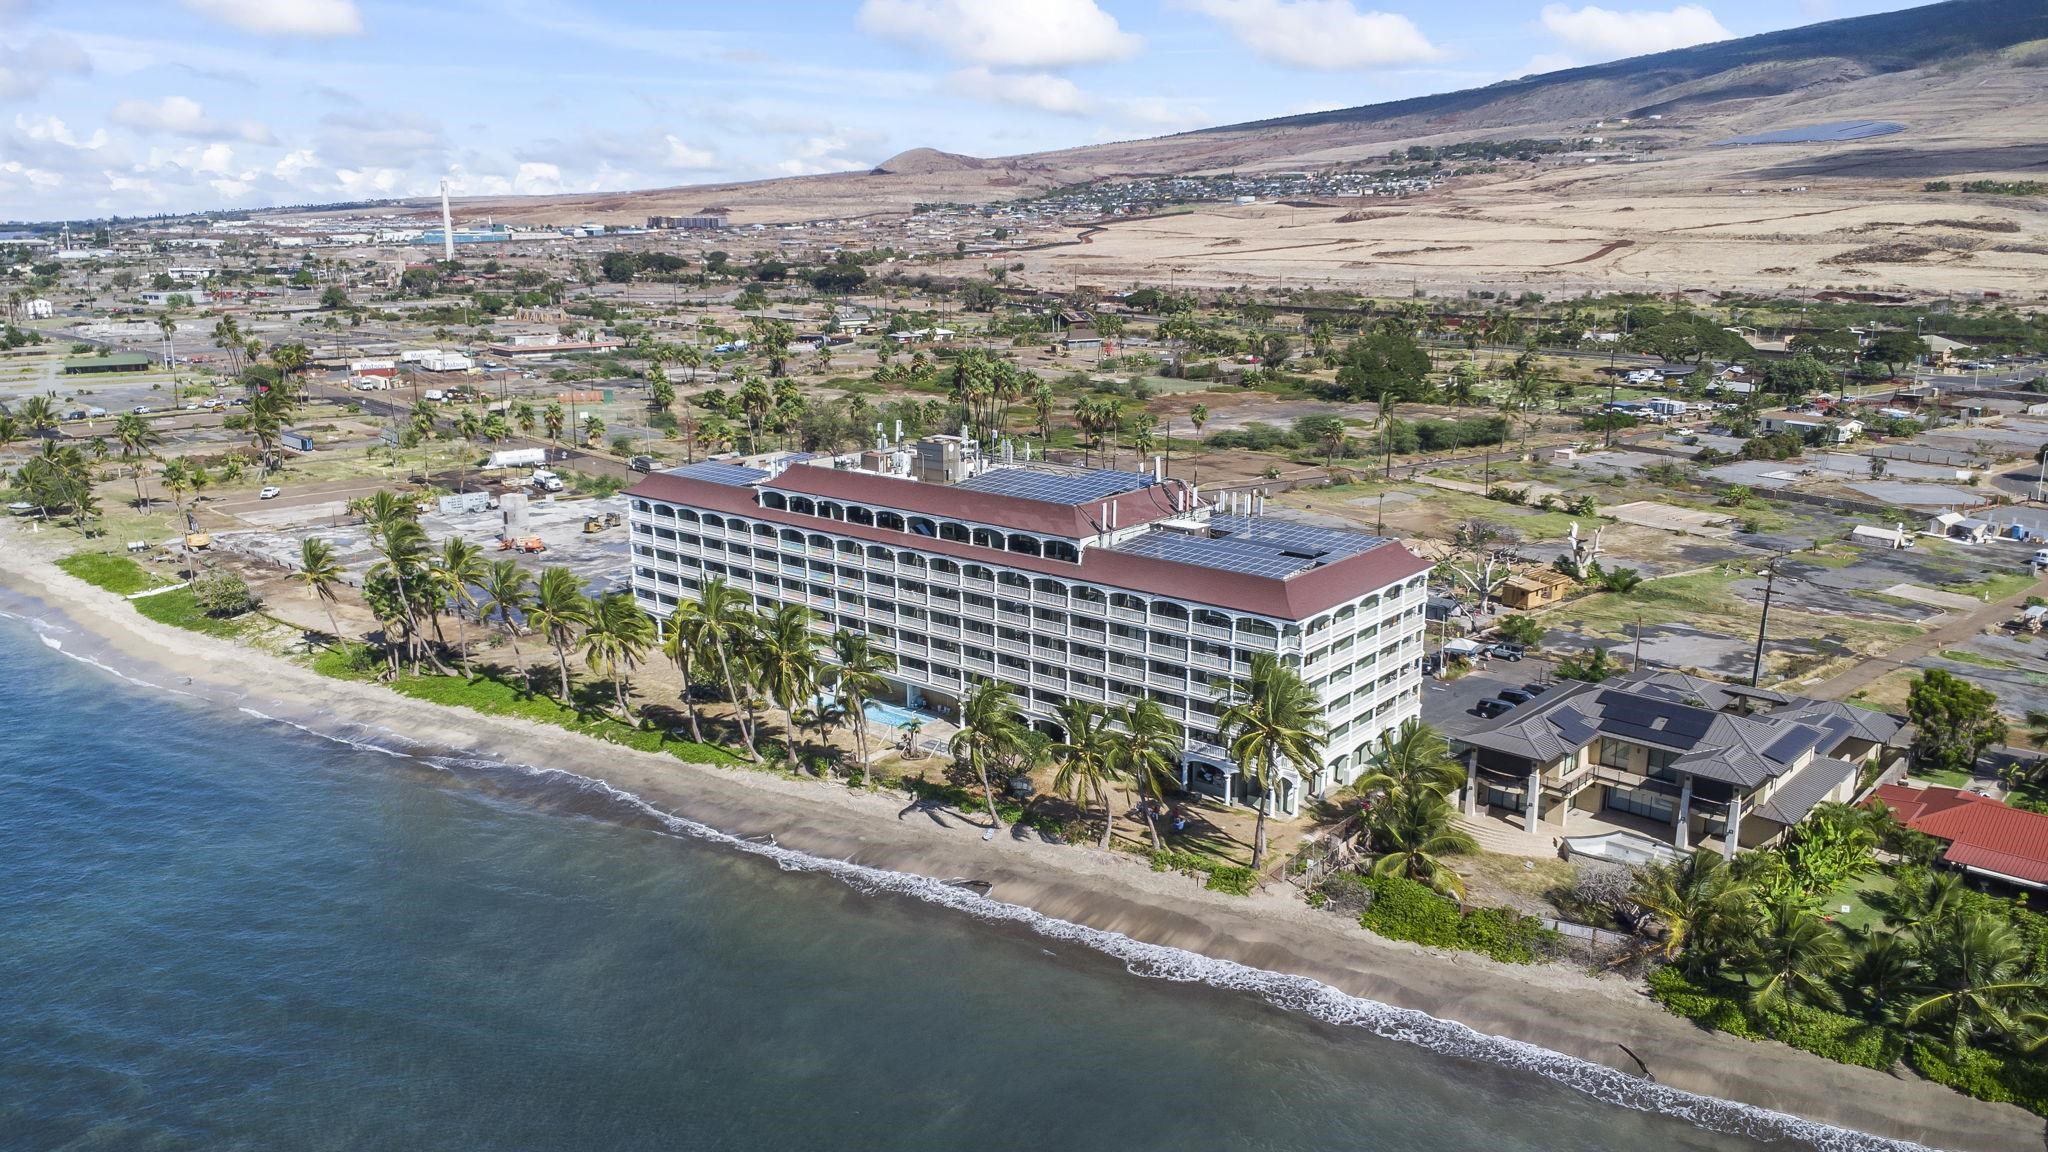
(1156, 961)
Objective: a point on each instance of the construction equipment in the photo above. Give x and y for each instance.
(533, 544)
(592, 524)
(198, 540)
(612, 520)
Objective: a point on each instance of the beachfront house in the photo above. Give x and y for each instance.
(1685, 760)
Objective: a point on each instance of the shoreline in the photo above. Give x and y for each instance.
(1271, 944)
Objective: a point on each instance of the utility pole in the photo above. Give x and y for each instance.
(1756, 668)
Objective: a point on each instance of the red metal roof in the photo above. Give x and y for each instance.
(1981, 832)
(1073, 522)
(1299, 597)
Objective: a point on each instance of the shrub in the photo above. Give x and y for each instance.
(1843, 1039)
(1234, 879)
(1985, 1075)
(221, 593)
(1402, 909)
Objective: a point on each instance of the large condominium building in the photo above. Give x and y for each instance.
(1060, 583)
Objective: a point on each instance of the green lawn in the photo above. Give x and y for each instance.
(1856, 894)
(1965, 656)
(180, 610)
(111, 571)
(1994, 587)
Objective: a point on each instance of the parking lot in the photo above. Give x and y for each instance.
(1447, 704)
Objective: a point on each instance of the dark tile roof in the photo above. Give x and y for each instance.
(1799, 792)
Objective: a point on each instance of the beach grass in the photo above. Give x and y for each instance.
(1965, 656)
(111, 571)
(180, 609)
(493, 695)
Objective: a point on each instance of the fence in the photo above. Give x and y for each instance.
(1597, 937)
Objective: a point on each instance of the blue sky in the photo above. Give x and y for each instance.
(136, 106)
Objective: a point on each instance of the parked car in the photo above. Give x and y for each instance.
(270, 492)
(1509, 651)
(641, 463)
(1516, 695)
(1492, 708)
(1535, 689)
(140, 409)
(2040, 557)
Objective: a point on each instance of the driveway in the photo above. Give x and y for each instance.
(1447, 705)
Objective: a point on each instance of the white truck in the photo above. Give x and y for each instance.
(546, 481)
(518, 458)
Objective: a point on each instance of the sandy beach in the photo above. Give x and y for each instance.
(1598, 1020)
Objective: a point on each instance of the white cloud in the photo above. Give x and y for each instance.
(1004, 33)
(1041, 90)
(27, 67)
(314, 19)
(50, 130)
(821, 154)
(182, 116)
(1593, 34)
(1327, 35)
(682, 156)
(1160, 112)
(377, 139)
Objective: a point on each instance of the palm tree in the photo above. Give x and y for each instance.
(1796, 956)
(1703, 908)
(1887, 965)
(461, 569)
(616, 636)
(136, 438)
(557, 610)
(1198, 416)
(859, 679)
(551, 419)
(681, 641)
(507, 588)
(1980, 968)
(1146, 754)
(319, 572)
(1087, 759)
(1935, 898)
(390, 521)
(786, 661)
(1416, 759)
(1413, 832)
(728, 626)
(1273, 718)
(989, 727)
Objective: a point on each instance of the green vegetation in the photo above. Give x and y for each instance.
(1923, 967)
(1977, 659)
(182, 609)
(1235, 879)
(1402, 909)
(113, 572)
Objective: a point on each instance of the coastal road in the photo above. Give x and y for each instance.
(297, 496)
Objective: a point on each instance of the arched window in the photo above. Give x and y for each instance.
(819, 540)
(987, 538)
(920, 526)
(831, 510)
(767, 530)
(951, 530)
(664, 511)
(686, 514)
(1087, 592)
(774, 500)
(792, 536)
(1012, 580)
(642, 506)
(713, 520)
(1061, 550)
(877, 552)
(910, 559)
(1027, 545)
(849, 546)
(802, 506)
(893, 521)
(945, 566)
(1050, 587)
(1169, 609)
(977, 572)
(855, 514)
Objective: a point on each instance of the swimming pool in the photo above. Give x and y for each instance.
(895, 715)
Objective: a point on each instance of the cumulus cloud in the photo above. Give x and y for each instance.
(183, 116)
(1041, 90)
(26, 68)
(377, 140)
(312, 19)
(1326, 35)
(37, 131)
(818, 154)
(1593, 34)
(1004, 33)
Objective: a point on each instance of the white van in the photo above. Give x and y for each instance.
(2040, 558)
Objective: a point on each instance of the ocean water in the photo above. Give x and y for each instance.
(218, 932)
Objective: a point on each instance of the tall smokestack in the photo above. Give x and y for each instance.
(447, 227)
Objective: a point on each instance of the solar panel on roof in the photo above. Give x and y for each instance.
(1573, 728)
(719, 472)
(1067, 488)
(1259, 546)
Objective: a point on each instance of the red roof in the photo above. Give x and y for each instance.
(1982, 833)
(1074, 522)
(1297, 598)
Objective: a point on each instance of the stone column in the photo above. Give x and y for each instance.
(1532, 809)
(1681, 837)
(1472, 782)
(1734, 837)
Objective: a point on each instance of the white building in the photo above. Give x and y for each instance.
(1059, 583)
(39, 309)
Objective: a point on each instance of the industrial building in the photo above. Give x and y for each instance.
(1060, 583)
(686, 223)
